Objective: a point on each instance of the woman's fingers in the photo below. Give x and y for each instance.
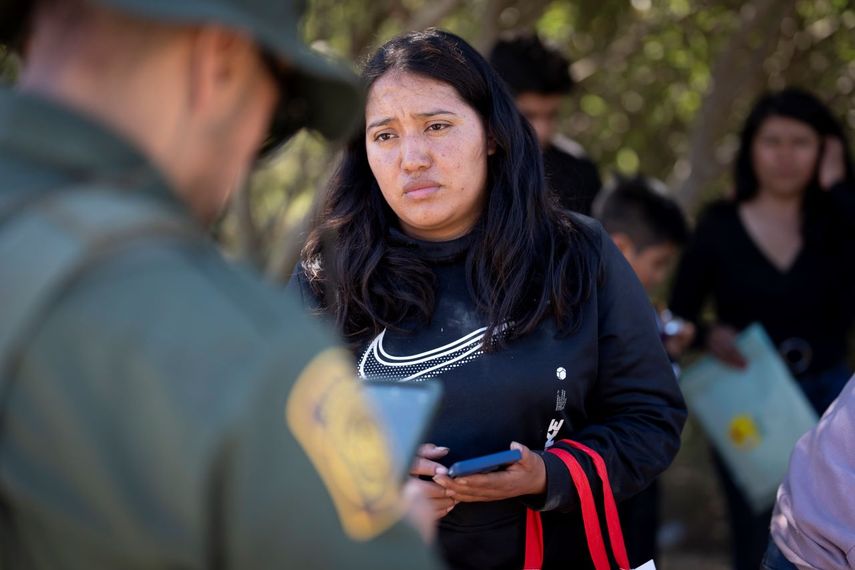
(424, 463)
(721, 343)
(426, 467)
(677, 344)
(729, 354)
(525, 477)
(431, 451)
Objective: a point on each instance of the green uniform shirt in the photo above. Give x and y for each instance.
(173, 410)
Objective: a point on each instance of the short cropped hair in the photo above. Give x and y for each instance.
(640, 209)
(528, 66)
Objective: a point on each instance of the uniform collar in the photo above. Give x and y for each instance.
(77, 147)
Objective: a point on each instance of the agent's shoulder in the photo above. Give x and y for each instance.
(183, 286)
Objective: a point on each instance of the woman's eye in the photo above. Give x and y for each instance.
(438, 126)
(383, 137)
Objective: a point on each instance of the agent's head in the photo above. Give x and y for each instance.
(781, 145)
(198, 85)
(648, 227)
(538, 77)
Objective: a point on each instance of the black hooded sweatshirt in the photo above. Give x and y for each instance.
(609, 385)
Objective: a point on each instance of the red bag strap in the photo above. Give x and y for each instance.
(612, 518)
(590, 518)
(533, 541)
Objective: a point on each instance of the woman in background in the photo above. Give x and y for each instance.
(779, 253)
(451, 262)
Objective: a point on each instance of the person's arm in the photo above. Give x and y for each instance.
(694, 276)
(814, 519)
(693, 284)
(636, 411)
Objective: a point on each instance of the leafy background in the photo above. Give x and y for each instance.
(662, 89)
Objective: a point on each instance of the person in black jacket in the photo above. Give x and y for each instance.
(779, 254)
(540, 80)
(439, 254)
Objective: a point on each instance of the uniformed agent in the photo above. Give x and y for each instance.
(160, 407)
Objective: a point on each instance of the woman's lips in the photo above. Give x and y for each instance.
(420, 190)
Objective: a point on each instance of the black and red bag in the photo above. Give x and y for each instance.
(590, 517)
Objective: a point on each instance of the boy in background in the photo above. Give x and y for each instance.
(650, 230)
(539, 78)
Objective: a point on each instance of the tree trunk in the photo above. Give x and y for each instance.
(738, 71)
(248, 235)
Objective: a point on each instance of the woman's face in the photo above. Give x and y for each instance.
(785, 153)
(427, 149)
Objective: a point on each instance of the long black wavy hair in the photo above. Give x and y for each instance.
(529, 259)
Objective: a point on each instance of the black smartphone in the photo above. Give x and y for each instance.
(485, 463)
(406, 411)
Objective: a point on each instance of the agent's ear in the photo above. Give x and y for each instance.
(216, 58)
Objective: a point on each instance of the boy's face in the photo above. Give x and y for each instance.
(652, 263)
(541, 110)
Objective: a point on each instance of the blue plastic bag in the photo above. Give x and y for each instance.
(753, 417)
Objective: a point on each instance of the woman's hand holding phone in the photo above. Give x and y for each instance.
(425, 465)
(525, 477)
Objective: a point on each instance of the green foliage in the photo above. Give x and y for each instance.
(8, 66)
(643, 71)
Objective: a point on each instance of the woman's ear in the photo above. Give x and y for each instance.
(491, 145)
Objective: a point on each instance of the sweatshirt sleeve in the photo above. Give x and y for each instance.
(694, 278)
(635, 409)
(814, 515)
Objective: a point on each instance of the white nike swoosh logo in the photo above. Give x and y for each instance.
(376, 362)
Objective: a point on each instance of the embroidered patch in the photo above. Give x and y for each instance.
(330, 419)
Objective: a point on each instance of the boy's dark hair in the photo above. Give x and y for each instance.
(639, 209)
(526, 65)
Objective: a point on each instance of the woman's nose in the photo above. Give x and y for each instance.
(415, 154)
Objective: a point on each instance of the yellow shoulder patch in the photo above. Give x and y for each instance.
(333, 423)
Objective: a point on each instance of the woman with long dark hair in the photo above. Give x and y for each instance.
(779, 253)
(440, 255)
